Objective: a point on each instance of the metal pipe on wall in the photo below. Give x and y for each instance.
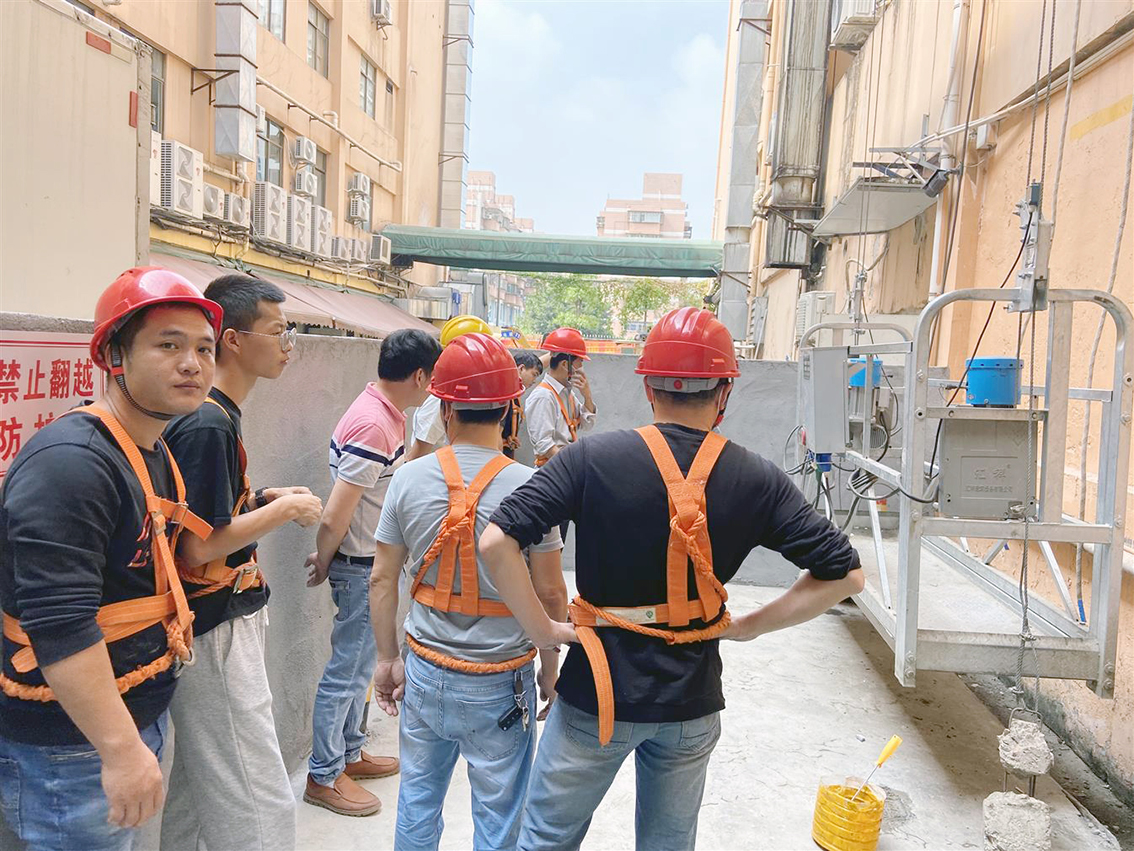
(949, 114)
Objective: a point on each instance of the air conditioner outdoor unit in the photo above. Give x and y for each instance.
(380, 249)
(380, 12)
(341, 248)
(213, 205)
(358, 249)
(811, 309)
(359, 211)
(269, 212)
(322, 221)
(236, 210)
(298, 222)
(304, 150)
(182, 179)
(155, 168)
(851, 23)
(359, 185)
(306, 183)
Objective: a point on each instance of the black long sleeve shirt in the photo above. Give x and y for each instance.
(609, 485)
(77, 537)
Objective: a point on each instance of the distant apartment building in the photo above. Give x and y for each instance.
(659, 213)
(485, 210)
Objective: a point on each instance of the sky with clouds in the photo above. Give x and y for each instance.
(572, 100)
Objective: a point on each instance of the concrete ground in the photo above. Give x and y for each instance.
(815, 700)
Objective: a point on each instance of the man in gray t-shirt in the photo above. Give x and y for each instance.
(467, 685)
(416, 504)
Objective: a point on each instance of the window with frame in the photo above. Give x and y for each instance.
(644, 217)
(272, 16)
(320, 169)
(157, 91)
(269, 153)
(318, 38)
(368, 87)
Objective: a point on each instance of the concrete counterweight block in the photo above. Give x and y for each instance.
(1024, 751)
(1015, 822)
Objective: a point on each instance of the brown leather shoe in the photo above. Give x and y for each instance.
(370, 767)
(346, 797)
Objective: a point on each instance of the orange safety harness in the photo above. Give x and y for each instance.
(456, 542)
(516, 412)
(168, 605)
(572, 419)
(688, 541)
(216, 575)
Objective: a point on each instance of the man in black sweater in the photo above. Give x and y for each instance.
(665, 515)
(95, 621)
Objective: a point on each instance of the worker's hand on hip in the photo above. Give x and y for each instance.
(743, 628)
(389, 685)
(316, 573)
(559, 633)
(305, 508)
(131, 780)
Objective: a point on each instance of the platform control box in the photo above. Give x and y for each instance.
(984, 469)
(823, 398)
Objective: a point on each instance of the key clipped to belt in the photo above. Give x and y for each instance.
(520, 710)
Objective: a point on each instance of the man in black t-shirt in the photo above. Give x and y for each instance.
(83, 708)
(228, 786)
(665, 515)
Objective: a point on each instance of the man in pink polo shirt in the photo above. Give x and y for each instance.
(367, 446)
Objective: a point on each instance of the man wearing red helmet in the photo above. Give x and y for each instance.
(96, 624)
(228, 785)
(469, 680)
(671, 511)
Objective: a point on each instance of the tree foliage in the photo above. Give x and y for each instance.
(588, 303)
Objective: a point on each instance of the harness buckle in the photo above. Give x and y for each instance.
(241, 573)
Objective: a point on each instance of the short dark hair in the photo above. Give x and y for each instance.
(240, 296)
(689, 400)
(480, 416)
(527, 360)
(406, 351)
(559, 357)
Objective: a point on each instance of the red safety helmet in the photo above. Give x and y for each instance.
(144, 286)
(688, 343)
(475, 370)
(566, 340)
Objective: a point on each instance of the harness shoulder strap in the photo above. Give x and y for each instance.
(689, 538)
(241, 455)
(572, 420)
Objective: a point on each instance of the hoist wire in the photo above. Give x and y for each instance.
(1066, 111)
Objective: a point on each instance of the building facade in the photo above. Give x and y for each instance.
(659, 213)
(300, 128)
(953, 109)
(485, 210)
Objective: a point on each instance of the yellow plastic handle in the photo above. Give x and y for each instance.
(888, 751)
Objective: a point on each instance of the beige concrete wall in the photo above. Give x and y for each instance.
(68, 159)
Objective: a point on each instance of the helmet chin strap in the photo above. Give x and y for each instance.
(120, 377)
(723, 405)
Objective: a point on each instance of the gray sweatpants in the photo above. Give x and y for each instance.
(228, 788)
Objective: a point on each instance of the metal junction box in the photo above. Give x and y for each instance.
(984, 464)
(823, 397)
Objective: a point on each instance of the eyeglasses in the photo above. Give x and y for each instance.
(287, 338)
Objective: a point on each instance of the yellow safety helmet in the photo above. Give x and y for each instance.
(460, 325)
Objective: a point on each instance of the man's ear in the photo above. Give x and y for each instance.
(649, 390)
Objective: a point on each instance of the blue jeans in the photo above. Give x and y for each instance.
(446, 714)
(572, 773)
(52, 795)
(341, 697)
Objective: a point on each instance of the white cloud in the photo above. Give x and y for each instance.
(512, 43)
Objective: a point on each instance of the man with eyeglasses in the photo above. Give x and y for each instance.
(229, 787)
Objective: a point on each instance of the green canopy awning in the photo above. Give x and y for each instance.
(537, 252)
